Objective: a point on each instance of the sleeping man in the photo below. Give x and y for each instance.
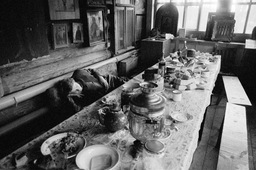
(81, 89)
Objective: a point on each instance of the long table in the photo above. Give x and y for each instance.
(179, 145)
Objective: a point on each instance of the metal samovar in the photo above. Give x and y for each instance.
(146, 115)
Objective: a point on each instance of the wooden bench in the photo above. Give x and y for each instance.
(233, 139)
(233, 152)
(234, 91)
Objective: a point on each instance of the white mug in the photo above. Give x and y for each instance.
(176, 95)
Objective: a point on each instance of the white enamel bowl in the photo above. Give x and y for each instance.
(84, 157)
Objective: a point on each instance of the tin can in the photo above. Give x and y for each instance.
(154, 148)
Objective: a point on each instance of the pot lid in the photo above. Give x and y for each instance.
(148, 102)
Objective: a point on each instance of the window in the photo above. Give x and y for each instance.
(245, 15)
(124, 27)
(193, 14)
(251, 19)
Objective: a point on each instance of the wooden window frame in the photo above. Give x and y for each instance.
(200, 4)
(248, 12)
(186, 4)
(126, 47)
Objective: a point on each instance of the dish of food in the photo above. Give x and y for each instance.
(67, 143)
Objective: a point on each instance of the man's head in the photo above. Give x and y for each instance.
(69, 86)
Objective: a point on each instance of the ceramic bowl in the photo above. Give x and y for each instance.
(85, 157)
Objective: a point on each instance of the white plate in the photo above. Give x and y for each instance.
(45, 149)
(84, 157)
(180, 117)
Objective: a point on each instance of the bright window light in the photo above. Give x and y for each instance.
(251, 20)
(204, 15)
(181, 12)
(240, 16)
(192, 17)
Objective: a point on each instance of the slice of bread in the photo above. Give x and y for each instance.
(101, 162)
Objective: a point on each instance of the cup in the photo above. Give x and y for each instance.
(176, 95)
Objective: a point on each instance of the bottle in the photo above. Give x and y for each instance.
(185, 46)
(161, 66)
(184, 50)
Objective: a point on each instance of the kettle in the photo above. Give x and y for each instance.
(113, 118)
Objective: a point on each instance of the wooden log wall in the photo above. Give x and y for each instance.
(26, 74)
(23, 75)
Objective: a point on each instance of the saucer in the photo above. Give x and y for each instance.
(179, 117)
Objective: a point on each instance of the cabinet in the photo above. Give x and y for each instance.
(152, 49)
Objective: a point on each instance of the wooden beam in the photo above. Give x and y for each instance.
(55, 56)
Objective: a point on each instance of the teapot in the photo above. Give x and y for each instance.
(113, 118)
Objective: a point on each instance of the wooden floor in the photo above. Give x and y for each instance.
(206, 154)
